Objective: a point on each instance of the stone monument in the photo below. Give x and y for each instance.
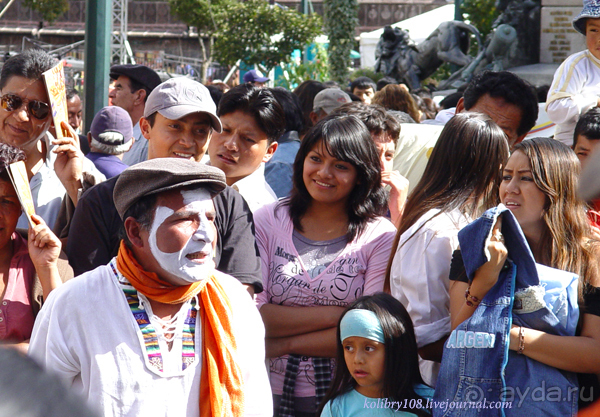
(558, 39)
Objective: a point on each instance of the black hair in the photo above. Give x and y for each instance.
(260, 103)
(143, 212)
(8, 155)
(588, 125)
(511, 88)
(354, 97)
(385, 81)
(136, 86)
(306, 92)
(363, 83)
(291, 107)
(375, 117)
(347, 139)
(451, 100)
(401, 354)
(215, 93)
(30, 64)
(71, 92)
(151, 119)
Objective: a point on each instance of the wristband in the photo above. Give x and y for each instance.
(471, 300)
(521, 340)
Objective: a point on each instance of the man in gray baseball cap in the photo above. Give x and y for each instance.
(159, 313)
(179, 119)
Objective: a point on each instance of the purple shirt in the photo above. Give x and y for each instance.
(109, 165)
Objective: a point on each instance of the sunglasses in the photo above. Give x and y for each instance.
(12, 102)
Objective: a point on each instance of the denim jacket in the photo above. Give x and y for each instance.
(478, 370)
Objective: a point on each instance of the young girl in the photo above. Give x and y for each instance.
(320, 250)
(377, 362)
(460, 178)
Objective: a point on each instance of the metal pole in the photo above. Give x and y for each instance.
(457, 11)
(6, 7)
(97, 57)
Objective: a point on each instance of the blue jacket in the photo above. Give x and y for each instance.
(477, 366)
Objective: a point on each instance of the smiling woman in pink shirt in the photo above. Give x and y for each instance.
(321, 249)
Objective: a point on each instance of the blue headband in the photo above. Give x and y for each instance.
(361, 323)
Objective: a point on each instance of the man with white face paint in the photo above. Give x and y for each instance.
(179, 119)
(159, 331)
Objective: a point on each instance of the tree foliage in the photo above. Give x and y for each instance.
(252, 31)
(260, 33)
(49, 9)
(203, 15)
(341, 18)
(316, 69)
(481, 14)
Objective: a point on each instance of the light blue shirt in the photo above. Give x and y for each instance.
(139, 149)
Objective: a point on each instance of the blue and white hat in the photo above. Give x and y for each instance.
(591, 8)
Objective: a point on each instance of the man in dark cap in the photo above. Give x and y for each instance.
(159, 331)
(132, 86)
(256, 78)
(110, 136)
(178, 122)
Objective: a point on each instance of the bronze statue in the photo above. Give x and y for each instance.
(398, 57)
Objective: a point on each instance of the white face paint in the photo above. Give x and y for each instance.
(194, 262)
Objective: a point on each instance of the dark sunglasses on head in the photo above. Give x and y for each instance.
(12, 102)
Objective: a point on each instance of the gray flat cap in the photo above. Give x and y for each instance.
(162, 174)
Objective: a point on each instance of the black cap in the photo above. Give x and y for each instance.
(139, 73)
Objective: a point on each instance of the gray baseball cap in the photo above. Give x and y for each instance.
(180, 96)
(330, 99)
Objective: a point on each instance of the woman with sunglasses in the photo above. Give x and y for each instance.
(29, 264)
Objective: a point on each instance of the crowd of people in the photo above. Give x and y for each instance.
(217, 251)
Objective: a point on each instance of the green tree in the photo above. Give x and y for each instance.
(340, 23)
(260, 33)
(481, 14)
(49, 9)
(316, 69)
(204, 15)
(253, 30)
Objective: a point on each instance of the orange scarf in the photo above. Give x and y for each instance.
(221, 381)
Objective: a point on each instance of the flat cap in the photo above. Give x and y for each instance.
(162, 174)
(139, 73)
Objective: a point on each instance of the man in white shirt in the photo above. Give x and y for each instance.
(132, 85)
(509, 100)
(252, 120)
(159, 331)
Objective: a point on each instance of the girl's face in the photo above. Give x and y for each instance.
(365, 359)
(327, 179)
(521, 196)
